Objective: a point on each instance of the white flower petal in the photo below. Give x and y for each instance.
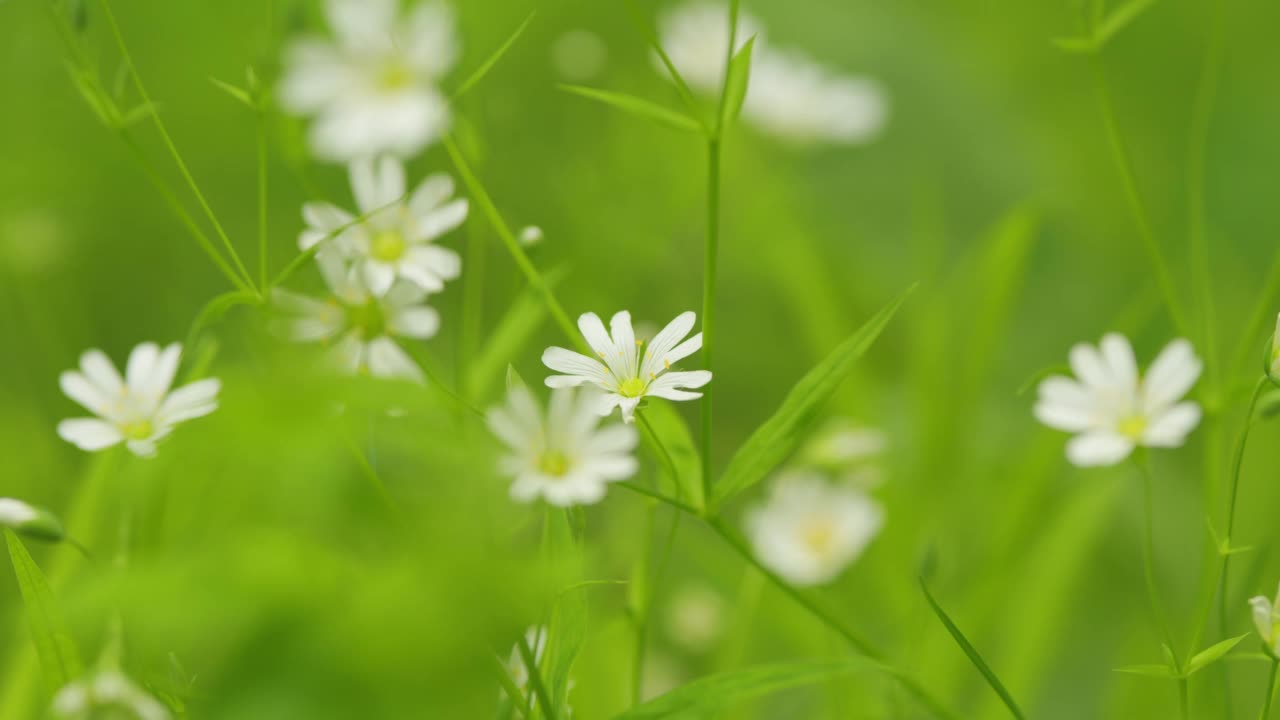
(440, 221)
(656, 354)
(141, 362)
(430, 194)
(77, 387)
(387, 360)
(624, 345)
(378, 277)
(612, 440)
(672, 385)
(190, 401)
(165, 368)
(377, 184)
(362, 25)
(595, 334)
(419, 322)
(628, 408)
(1170, 428)
(1118, 355)
(1097, 448)
(1088, 365)
(1172, 374)
(98, 369)
(89, 434)
(684, 349)
(575, 364)
(314, 76)
(432, 38)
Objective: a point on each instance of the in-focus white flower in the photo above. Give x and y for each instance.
(1112, 409)
(396, 238)
(361, 327)
(563, 455)
(1266, 618)
(138, 409)
(536, 639)
(789, 95)
(374, 88)
(108, 693)
(809, 531)
(630, 371)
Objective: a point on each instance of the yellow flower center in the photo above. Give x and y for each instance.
(818, 535)
(554, 463)
(387, 246)
(137, 430)
(1133, 427)
(632, 388)
(369, 320)
(395, 75)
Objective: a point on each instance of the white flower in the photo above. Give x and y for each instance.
(562, 456)
(630, 372)
(789, 94)
(138, 409)
(1266, 618)
(396, 237)
(108, 693)
(811, 530)
(1114, 409)
(695, 617)
(536, 639)
(374, 89)
(15, 513)
(531, 235)
(361, 326)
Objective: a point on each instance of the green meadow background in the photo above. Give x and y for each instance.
(261, 560)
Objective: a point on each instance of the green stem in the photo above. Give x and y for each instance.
(535, 678)
(168, 141)
(370, 474)
(658, 449)
(642, 604)
(183, 216)
(530, 271)
(712, 248)
(1148, 558)
(1136, 204)
(508, 685)
(262, 201)
(1184, 699)
(1271, 691)
(1237, 462)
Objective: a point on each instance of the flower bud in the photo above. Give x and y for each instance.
(30, 521)
(1266, 618)
(1273, 355)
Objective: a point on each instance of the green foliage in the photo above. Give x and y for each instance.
(59, 658)
(638, 107)
(736, 84)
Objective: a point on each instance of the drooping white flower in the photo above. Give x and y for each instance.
(15, 513)
(628, 371)
(31, 521)
(373, 89)
(138, 409)
(789, 94)
(1112, 409)
(810, 530)
(1266, 618)
(361, 327)
(396, 237)
(107, 693)
(563, 455)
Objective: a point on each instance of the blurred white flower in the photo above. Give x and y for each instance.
(15, 513)
(789, 95)
(138, 409)
(536, 639)
(374, 88)
(695, 617)
(107, 693)
(531, 235)
(361, 326)
(809, 531)
(1275, 351)
(1113, 409)
(30, 521)
(1266, 618)
(396, 237)
(562, 456)
(579, 55)
(625, 376)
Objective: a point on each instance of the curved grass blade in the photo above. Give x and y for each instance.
(736, 84)
(972, 652)
(636, 106)
(475, 77)
(773, 441)
(57, 651)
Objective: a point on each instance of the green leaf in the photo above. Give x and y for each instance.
(475, 77)
(212, 312)
(1119, 19)
(707, 697)
(673, 433)
(239, 94)
(1080, 45)
(1213, 653)
(637, 106)
(972, 653)
(57, 652)
(522, 320)
(1156, 671)
(568, 629)
(773, 441)
(999, 273)
(735, 89)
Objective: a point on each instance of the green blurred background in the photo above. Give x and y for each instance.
(261, 560)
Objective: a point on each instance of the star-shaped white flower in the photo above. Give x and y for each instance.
(563, 455)
(362, 327)
(396, 238)
(107, 693)
(810, 530)
(1113, 409)
(630, 371)
(1266, 618)
(374, 88)
(138, 409)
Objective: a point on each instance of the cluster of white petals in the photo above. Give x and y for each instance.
(107, 693)
(1266, 618)
(374, 87)
(138, 409)
(1114, 409)
(789, 94)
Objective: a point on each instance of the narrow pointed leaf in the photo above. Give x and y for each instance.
(735, 90)
(59, 659)
(480, 73)
(1118, 19)
(708, 697)
(637, 106)
(1156, 671)
(239, 94)
(1079, 45)
(673, 433)
(1213, 653)
(972, 653)
(773, 441)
